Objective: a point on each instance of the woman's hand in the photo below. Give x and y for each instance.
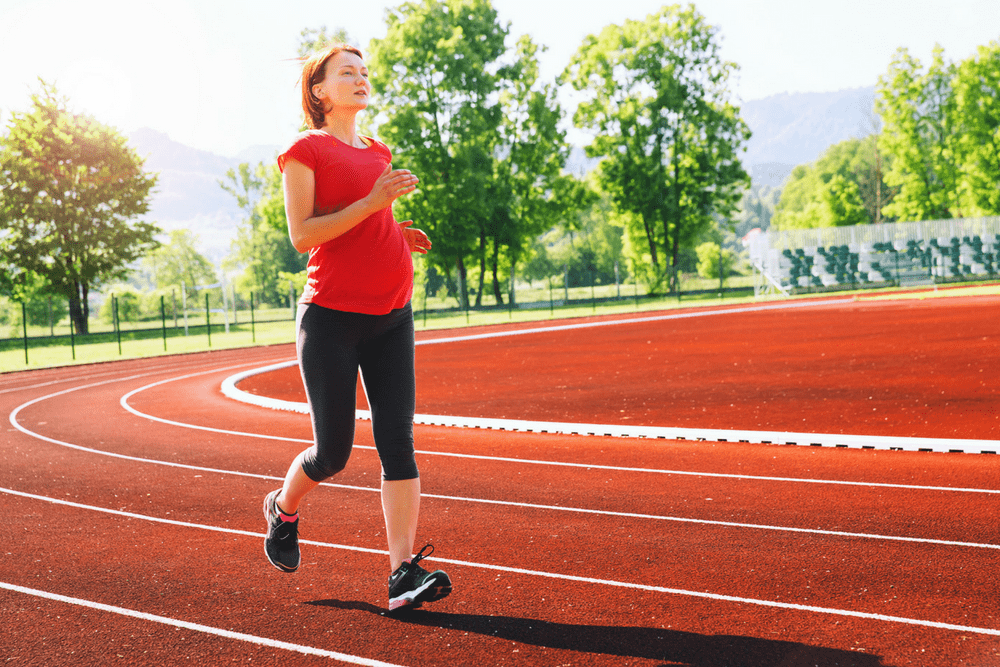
(390, 186)
(415, 238)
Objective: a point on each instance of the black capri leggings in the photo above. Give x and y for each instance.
(332, 346)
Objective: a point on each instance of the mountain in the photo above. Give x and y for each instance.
(793, 129)
(187, 194)
(788, 130)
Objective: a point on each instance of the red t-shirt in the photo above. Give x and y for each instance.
(368, 269)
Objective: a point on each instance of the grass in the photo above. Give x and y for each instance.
(50, 352)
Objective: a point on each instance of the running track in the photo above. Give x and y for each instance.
(132, 492)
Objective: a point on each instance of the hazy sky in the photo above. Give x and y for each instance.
(218, 75)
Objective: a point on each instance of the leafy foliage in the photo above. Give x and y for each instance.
(710, 265)
(71, 194)
(918, 111)
(658, 103)
(942, 127)
(262, 248)
(469, 116)
(976, 90)
(836, 190)
(178, 262)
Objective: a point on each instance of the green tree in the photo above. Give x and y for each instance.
(262, 248)
(917, 109)
(709, 263)
(589, 244)
(437, 81)
(756, 209)
(528, 188)
(976, 89)
(71, 193)
(657, 100)
(832, 191)
(129, 302)
(178, 261)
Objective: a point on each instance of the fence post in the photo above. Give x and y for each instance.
(24, 324)
(720, 269)
(253, 322)
(184, 301)
(593, 293)
(72, 335)
(208, 320)
(163, 321)
(552, 303)
(118, 328)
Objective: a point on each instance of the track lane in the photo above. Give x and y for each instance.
(517, 615)
(373, 517)
(511, 605)
(730, 494)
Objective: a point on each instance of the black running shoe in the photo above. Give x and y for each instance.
(411, 585)
(282, 542)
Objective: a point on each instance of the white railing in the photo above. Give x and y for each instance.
(765, 248)
(894, 232)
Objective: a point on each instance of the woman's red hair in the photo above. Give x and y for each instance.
(313, 72)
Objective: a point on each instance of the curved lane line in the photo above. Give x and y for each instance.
(551, 575)
(943, 445)
(184, 466)
(196, 627)
(219, 471)
(504, 459)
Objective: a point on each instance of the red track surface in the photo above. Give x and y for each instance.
(637, 552)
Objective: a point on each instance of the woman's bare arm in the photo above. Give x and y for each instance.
(306, 231)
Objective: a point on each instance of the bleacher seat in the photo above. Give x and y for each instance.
(901, 261)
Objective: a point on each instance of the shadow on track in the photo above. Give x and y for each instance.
(686, 648)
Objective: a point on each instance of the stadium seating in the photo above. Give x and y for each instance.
(899, 263)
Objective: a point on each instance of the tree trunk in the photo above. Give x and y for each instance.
(463, 291)
(652, 242)
(496, 282)
(79, 309)
(482, 266)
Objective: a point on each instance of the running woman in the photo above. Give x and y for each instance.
(354, 314)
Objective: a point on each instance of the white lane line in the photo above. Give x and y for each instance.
(708, 522)
(504, 459)
(549, 575)
(635, 320)
(160, 369)
(196, 627)
(219, 471)
(506, 503)
(912, 444)
(814, 531)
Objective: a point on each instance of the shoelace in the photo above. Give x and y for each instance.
(420, 554)
(402, 569)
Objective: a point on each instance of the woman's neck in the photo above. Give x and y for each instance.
(343, 128)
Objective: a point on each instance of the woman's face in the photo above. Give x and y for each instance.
(346, 83)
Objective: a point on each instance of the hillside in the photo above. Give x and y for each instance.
(789, 130)
(187, 195)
